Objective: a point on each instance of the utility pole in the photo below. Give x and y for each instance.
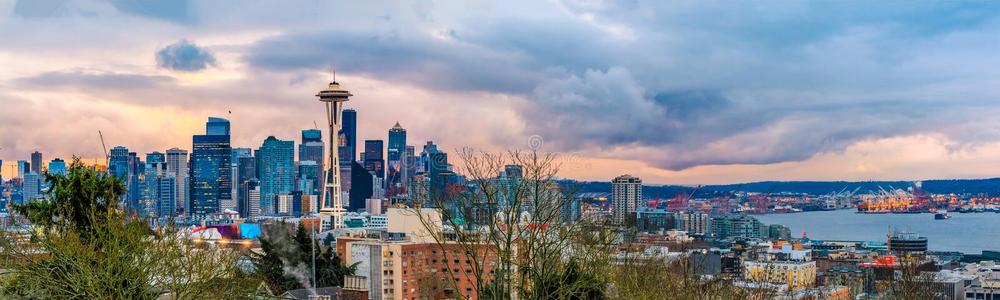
(315, 283)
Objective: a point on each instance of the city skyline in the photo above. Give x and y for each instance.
(671, 96)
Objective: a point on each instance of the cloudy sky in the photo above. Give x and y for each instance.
(673, 91)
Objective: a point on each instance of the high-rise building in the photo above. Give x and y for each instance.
(409, 164)
(311, 149)
(348, 141)
(23, 168)
(118, 162)
(306, 178)
(275, 170)
(211, 172)
(249, 206)
(57, 166)
(177, 164)
(347, 148)
(246, 170)
(31, 186)
(125, 165)
(437, 171)
(36, 162)
(361, 187)
(626, 196)
(217, 126)
(396, 169)
(157, 201)
(374, 161)
(155, 157)
(151, 187)
(166, 200)
(234, 160)
(134, 186)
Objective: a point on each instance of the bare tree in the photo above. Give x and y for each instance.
(512, 213)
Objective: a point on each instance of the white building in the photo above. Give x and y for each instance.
(626, 195)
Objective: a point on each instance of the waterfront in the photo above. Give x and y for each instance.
(968, 233)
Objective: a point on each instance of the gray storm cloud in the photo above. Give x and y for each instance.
(698, 84)
(184, 56)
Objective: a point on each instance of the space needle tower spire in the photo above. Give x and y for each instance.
(332, 207)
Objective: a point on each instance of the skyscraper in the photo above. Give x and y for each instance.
(124, 165)
(155, 157)
(311, 149)
(36, 162)
(306, 180)
(23, 167)
(166, 197)
(211, 172)
(57, 166)
(234, 160)
(246, 171)
(362, 187)
(396, 169)
(134, 186)
(438, 171)
(275, 170)
(373, 160)
(158, 201)
(118, 163)
(31, 186)
(177, 164)
(217, 126)
(347, 146)
(626, 194)
(348, 140)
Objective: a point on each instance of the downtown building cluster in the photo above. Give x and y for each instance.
(214, 181)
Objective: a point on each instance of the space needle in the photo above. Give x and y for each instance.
(332, 209)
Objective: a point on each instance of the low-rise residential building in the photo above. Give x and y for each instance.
(785, 266)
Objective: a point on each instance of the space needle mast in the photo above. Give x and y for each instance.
(332, 207)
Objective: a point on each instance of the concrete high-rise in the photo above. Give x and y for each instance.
(275, 170)
(177, 164)
(626, 195)
(332, 206)
(211, 172)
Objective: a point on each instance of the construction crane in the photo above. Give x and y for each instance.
(107, 157)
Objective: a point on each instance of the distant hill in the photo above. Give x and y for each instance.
(989, 186)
